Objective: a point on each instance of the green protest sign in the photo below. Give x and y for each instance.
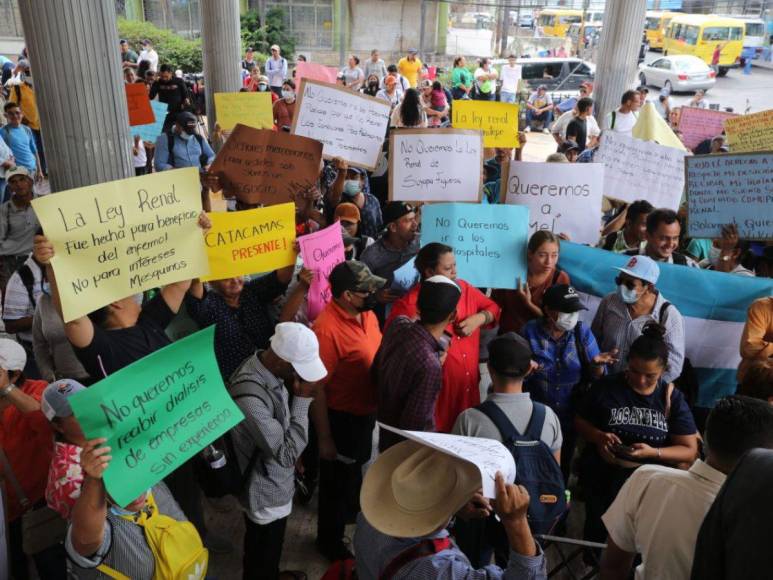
(157, 413)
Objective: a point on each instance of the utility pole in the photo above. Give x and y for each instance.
(342, 33)
(422, 25)
(504, 26)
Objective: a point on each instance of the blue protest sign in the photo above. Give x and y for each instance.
(733, 188)
(405, 277)
(489, 241)
(151, 131)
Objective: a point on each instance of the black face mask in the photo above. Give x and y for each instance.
(369, 303)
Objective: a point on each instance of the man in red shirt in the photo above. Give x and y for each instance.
(344, 412)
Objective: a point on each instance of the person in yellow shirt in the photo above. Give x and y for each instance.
(410, 67)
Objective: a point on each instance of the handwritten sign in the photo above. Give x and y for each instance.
(498, 121)
(151, 131)
(251, 241)
(405, 277)
(488, 455)
(321, 252)
(489, 241)
(251, 109)
(734, 188)
(157, 413)
(750, 132)
(636, 169)
(435, 165)
(140, 112)
(349, 125)
(561, 197)
(119, 238)
(697, 125)
(267, 167)
(315, 72)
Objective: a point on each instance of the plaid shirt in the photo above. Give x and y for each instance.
(375, 551)
(408, 376)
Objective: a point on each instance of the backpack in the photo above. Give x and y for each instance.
(535, 466)
(177, 548)
(28, 279)
(344, 569)
(687, 381)
(170, 144)
(679, 259)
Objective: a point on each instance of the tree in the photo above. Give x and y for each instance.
(172, 49)
(274, 31)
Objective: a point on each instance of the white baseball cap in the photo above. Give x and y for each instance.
(12, 355)
(298, 345)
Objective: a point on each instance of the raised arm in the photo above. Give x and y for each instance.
(90, 510)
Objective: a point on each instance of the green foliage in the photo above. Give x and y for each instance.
(171, 48)
(261, 37)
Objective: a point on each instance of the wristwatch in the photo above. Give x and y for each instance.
(7, 391)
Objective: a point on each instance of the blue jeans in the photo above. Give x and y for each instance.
(546, 118)
(506, 97)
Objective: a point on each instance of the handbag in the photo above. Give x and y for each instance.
(41, 527)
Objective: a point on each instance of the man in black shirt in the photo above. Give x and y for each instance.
(173, 92)
(577, 130)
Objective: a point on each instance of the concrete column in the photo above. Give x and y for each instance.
(618, 53)
(82, 103)
(222, 47)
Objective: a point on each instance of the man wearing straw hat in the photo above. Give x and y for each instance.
(409, 497)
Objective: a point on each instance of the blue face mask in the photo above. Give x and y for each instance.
(627, 295)
(352, 187)
(119, 511)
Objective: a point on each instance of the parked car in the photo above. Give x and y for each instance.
(526, 21)
(561, 76)
(682, 72)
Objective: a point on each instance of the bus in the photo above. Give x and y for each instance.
(655, 25)
(556, 22)
(700, 34)
(594, 17)
(754, 40)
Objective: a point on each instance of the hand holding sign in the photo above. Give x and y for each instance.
(95, 459)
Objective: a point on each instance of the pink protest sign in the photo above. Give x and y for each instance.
(321, 252)
(317, 72)
(697, 125)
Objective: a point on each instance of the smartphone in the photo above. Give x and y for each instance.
(620, 449)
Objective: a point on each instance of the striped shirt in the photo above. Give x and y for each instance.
(613, 327)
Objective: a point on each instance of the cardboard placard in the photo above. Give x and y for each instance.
(497, 121)
(697, 125)
(752, 132)
(321, 252)
(140, 111)
(252, 109)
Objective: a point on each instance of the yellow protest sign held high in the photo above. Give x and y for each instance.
(120, 238)
(252, 241)
(498, 121)
(650, 126)
(752, 132)
(251, 109)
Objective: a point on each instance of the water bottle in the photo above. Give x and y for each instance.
(214, 457)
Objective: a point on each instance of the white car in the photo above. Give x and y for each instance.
(681, 72)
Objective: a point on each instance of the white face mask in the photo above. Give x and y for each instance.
(627, 295)
(714, 254)
(288, 96)
(567, 320)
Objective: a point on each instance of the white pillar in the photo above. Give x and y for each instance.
(618, 54)
(222, 46)
(73, 47)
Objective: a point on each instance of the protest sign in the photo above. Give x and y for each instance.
(140, 112)
(697, 125)
(724, 189)
(488, 455)
(251, 109)
(151, 131)
(636, 169)
(489, 241)
(251, 241)
(405, 277)
(434, 165)
(119, 238)
(349, 125)
(750, 132)
(315, 72)
(267, 167)
(561, 197)
(321, 252)
(651, 126)
(498, 121)
(157, 413)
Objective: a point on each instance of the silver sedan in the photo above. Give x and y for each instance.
(682, 72)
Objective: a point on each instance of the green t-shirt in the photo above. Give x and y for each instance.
(461, 76)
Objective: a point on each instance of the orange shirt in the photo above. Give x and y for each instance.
(461, 374)
(28, 443)
(347, 348)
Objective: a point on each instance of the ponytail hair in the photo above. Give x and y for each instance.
(651, 345)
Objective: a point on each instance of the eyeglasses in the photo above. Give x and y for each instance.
(629, 283)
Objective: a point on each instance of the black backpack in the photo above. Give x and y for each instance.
(687, 381)
(28, 279)
(170, 136)
(535, 466)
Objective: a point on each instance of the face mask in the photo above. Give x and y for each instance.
(352, 187)
(567, 320)
(714, 254)
(369, 303)
(373, 85)
(262, 87)
(288, 96)
(185, 135)
(119, 511)
(627, 295)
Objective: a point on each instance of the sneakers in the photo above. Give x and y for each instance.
(527, 129)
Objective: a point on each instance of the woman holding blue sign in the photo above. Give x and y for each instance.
(474, 311)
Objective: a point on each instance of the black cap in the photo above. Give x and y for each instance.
(438, 294)
(186, 118)
(509, 355)
(567, 146)
(394, 210)
(562, 298)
